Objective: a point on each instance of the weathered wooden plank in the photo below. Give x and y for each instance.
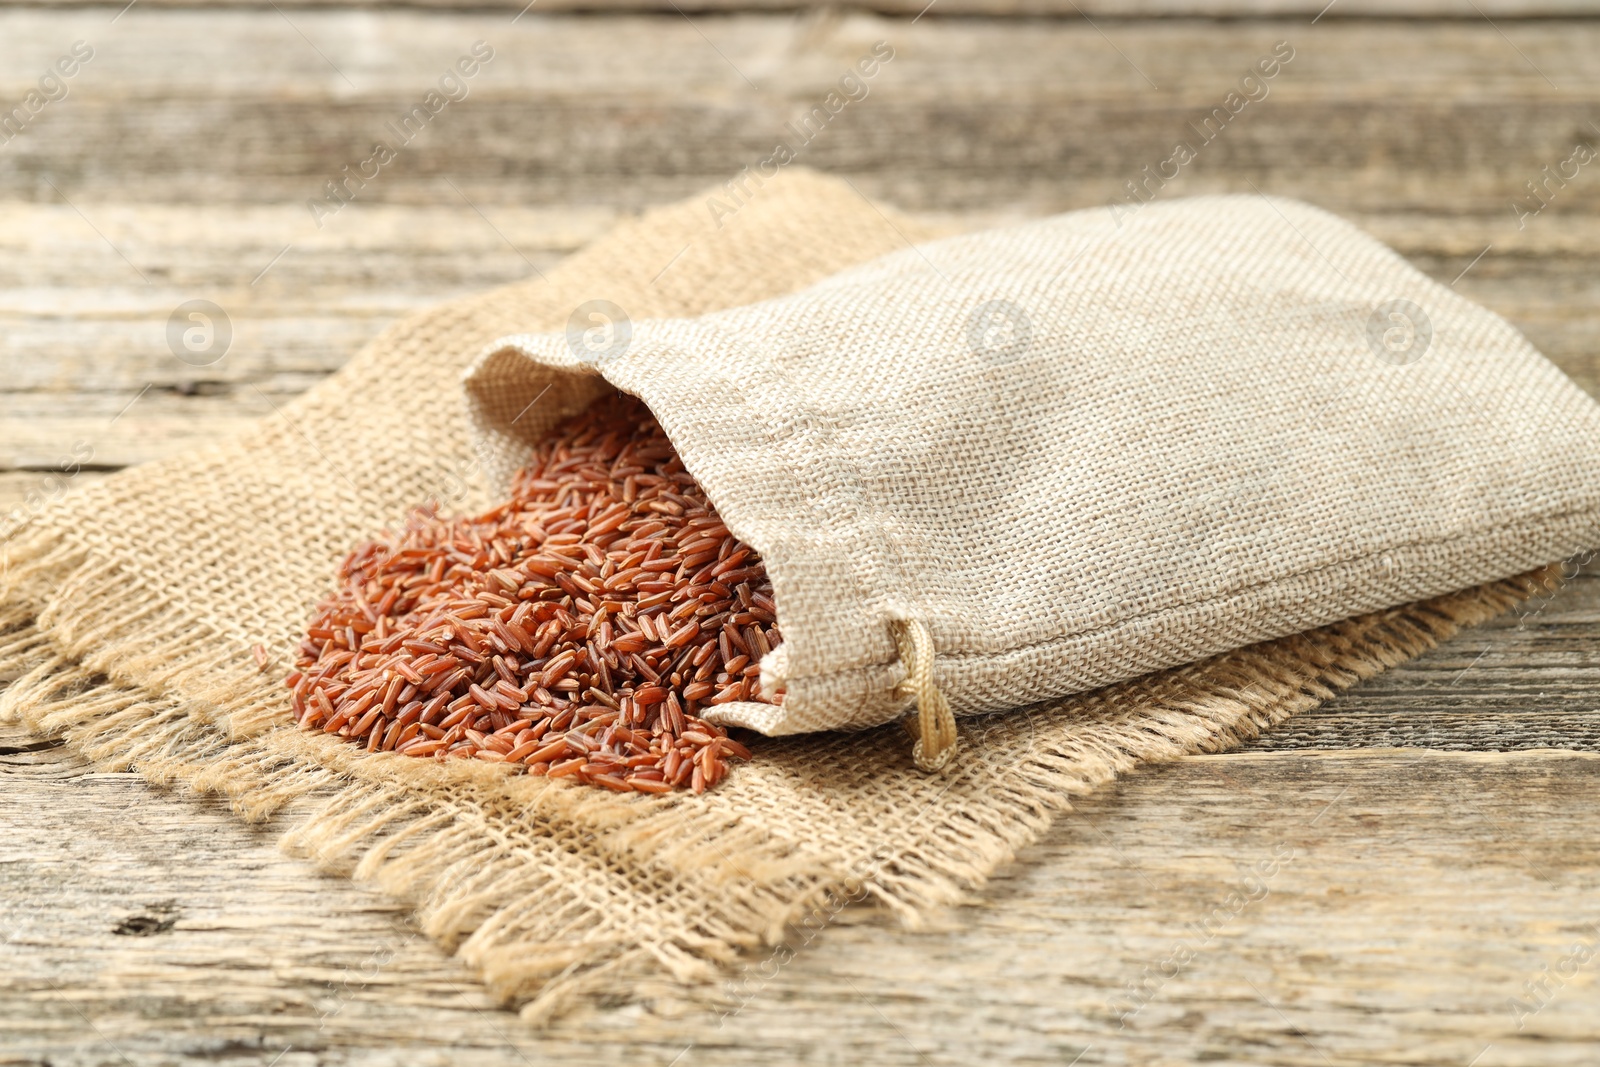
(78, 354)
(45, 431)
(146, 928)
(85, 340)
(1527, 680)
(1440, 125)
(56, 258)
(969, 114)
(1099, 9)
(976, 118)
(190, 144)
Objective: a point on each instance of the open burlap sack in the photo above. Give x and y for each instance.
(1080, 449)
(128, 613)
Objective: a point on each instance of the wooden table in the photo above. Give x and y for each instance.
(1433, 831)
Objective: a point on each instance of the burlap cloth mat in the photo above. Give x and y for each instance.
(129, 611)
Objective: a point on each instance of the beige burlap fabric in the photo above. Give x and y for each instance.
(1082, 449)
(128, 613)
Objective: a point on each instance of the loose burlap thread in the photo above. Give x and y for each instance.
(128, 612)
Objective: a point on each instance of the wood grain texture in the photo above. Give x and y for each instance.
(1424, 890)
(153, 183)
(85, 341)
(1392, 905)
(79, 354)
(249, 106)
(1527, 680)
(1098, 9)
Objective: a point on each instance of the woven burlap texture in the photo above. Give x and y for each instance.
(1083, 448)
(129, 611)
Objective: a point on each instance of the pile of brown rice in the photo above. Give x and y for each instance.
(577, 629)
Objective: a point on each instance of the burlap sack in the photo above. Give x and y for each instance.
(1184, 437)
(128, 613)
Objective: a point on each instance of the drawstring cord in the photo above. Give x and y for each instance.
(932, 726)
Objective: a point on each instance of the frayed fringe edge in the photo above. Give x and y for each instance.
(145, 696)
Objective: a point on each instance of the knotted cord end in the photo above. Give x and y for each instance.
(932, 726)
